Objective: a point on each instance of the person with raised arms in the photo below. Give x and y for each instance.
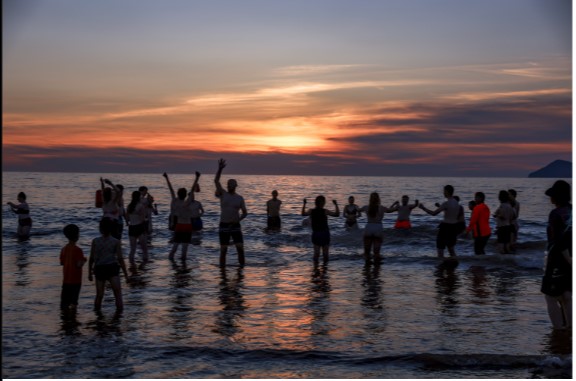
(232, 211)
(320, 229)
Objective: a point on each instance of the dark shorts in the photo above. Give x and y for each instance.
(447, 235)
(351, 223)
(321, 238)
(182, 233)
(230, 230)
(106, 272)
(69, 295)
(137, 230)
(504, 233)
(274, 222)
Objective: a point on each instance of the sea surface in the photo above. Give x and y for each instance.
(280, 316)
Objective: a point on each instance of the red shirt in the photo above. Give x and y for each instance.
(480, 221)
(70, 257)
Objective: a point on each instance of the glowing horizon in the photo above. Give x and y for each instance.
(364, 107)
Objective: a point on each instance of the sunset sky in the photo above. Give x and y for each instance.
(319, 87)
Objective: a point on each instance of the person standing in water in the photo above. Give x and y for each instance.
(136, 219)
(479, 223)
(404, 210)
(557, 279)
(72, 259)
(320, 228)
(181, 213)
(22, 210)
(105, 263)
(351, 213)
(374, 231)
(504, 216)
(449, 227)
(273, 212)
(515, 226)
(231, 204)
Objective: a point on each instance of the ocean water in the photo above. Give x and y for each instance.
(279, 316)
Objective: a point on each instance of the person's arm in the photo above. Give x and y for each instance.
(219, 189)
(335, 213)
(172, 193)
(304, 211)
(244, 211)
(431, 212)
(200, 209)
(392, 208)
(195, 185)
(414, 205)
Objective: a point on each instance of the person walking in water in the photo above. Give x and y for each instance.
(479, 223)
(504, 216)
(449, 227)
(374, 231)
(404, 210)
(320, 229)
(351, 213)
(181, 213)
(22, 210)
(105, 263)
(557, 279)
(232, 211)
(273, 212)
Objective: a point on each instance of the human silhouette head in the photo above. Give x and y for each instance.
(72, 232)
(320, 201)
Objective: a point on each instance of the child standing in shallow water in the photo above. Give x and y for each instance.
(72, 259)
(105, 263)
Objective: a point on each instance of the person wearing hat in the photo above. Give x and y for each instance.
(557, 279)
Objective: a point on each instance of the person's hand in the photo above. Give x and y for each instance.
(198, 174)
(165, 175)
(335, 202)
(221, 164)
(305, 201)
(437, 205)
(421, 206)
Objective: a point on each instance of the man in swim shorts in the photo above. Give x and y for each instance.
(231, 204)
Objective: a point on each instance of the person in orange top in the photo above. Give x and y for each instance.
(72, 259)
(480, 224)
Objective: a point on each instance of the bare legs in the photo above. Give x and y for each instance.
(224, 251)
(325, 253)
(140, 240)
(372, 244)
(116, 288)
(560, 310)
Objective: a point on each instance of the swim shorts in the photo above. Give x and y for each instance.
(447, 235)
(504, 233)
(321, 238)
(230, 230)
(137, 230)
(402, 224)
(105, 272)
(373, 230)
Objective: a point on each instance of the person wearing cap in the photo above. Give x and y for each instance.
(557, 279)
(231, 204)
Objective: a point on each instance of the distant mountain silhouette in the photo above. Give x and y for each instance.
(557, 169)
